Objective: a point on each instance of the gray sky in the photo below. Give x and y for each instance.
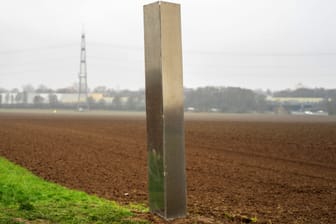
(255, 44)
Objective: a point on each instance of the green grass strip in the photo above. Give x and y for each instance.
(26, 198)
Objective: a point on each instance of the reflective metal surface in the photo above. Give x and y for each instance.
(164, 108)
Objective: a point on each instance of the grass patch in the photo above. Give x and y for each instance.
(26, 198)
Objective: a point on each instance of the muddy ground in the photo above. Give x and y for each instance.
(276, 169)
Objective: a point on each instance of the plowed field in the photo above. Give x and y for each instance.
(278, 169)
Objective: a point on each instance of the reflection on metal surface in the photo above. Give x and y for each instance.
(164, 108)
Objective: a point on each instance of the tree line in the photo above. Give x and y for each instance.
(202, 99)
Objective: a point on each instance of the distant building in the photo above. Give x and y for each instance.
(96, 96)
(295, 100)
(8, 98)
(109, 100)
(298, 105)
(68, 98)
(33, 98)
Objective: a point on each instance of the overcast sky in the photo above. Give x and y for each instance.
(273, 44)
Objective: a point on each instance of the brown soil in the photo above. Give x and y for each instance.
(279, 171)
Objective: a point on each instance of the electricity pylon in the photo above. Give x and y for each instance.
(82, 103)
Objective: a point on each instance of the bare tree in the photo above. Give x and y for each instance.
(19, 97)
(29, 88)
(100, 89)
(38, 100)
(43, 89)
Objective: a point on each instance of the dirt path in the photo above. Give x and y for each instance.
(279, 171)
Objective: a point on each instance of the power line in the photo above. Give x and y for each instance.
(71, 45)
(259, 54)
(37, 49)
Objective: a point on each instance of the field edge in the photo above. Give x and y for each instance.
(26, 198)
